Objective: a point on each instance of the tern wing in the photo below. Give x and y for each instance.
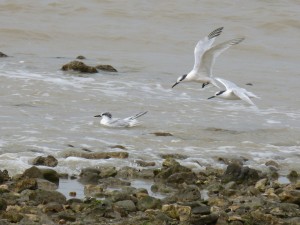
(228, 84)
(136, 116)
(203, 45)
(209, 57)
(118, 123)
(240, 93)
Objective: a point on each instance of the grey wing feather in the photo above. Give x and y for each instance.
(203, 45)
(228, 84)
(209, 57)
(136, 116)
(243, 96)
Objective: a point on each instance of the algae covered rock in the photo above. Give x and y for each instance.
(107, 68)
(79, 66)
(45, 161)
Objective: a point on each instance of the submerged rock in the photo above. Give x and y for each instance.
(80, 57)
(107, 68)
(97, 155)
(79, 66)
(2, 55)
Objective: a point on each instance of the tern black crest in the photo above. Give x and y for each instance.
(107, 114)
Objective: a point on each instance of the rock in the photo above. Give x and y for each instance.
(107, 68)
(179, 178)
(50, 175)
(80, 57)
(33, 172)
(127, 205)
(261, 184)
(170, 167)
(162, 134)
(2, 55)
(129, 172)
(202, 210)
(46, 185)
(52, 207)
(178, 212)
(144, 163)
(293, 176)
(119, 146)
(26, 183)
(173, 156)
(204, 219)
(79, 66)
(109, 171)
(259, 217)
(239, 174)
(272, 163)
(12, 217)
(188, 193)
(97, 155)
(148, 202)
(89, 176)
(93, 190)
(113, 182)
(45, 161)
(284, 209)
(44, 197)
(3, 204)
(4, 176)
(292, 196)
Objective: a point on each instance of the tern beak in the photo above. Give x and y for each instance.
(211, 97)
(175, 84)
(98, 116)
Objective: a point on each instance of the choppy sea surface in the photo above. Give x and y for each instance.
(45, 110)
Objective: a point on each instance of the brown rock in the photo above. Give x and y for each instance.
(45, 161)
(107, 68)
(2, 55)
(26, 183)
(144, 163)
(79, 66)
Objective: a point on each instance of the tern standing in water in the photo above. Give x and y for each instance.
(205, 56)
(233, 92)
(108, 120)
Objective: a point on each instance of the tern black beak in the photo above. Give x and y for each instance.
(175, 84)
(211, 97)
(98, 116)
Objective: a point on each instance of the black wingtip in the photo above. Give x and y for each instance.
(215, 33)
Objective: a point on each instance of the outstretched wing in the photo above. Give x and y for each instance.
(209, 57)
(228, 84)
(203, 45)
(243, 96)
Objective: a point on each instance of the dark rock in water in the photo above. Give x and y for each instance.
(250, 84)
(162, 134)
(239, 174)
(107, 68)
(44, 197)
(45, 161)
(79, 66)
(129, 172)
(2, 55)
(50, 175)
(4, 176)
(80, 57)
(89, 176)
(148, 202)
(119, 146)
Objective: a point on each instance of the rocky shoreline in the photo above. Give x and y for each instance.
(237, 195)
